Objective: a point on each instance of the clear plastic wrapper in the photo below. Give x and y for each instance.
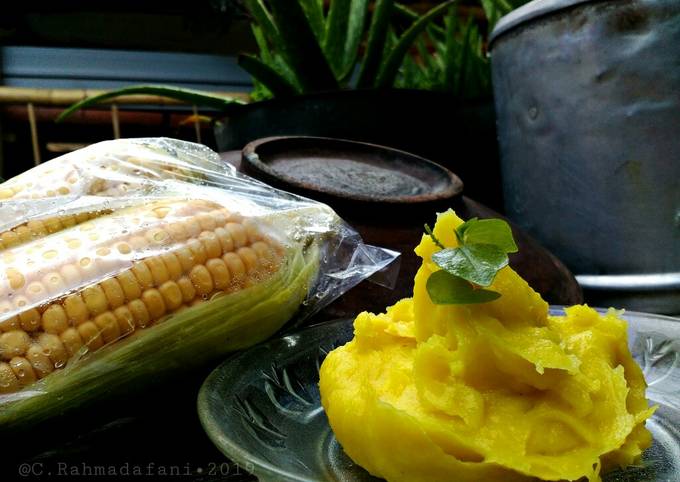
(137, 258)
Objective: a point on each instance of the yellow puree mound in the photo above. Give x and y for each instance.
(493, 391)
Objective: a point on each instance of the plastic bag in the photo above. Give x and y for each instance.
(136, 258)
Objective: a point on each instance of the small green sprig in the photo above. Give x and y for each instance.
(483, 250)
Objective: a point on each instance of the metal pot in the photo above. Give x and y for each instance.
(587, 96)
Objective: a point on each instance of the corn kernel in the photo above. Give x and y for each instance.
(113, 292)
(171, 294)
(129, 284)
(126, 321)
(173, 265)
(29, 319)
(158, 270)
(23, 370)
(249, 258)
(238, 234)
(54, 319)
(76, 309)
(200, 277)
(219, 273)
(53, 348)
(143, 275)
(108, 326)
(15, 278)
(212, 245)
(54, 284)
(235, 265)
(224, 237)
(139, 313)
(71, 275)
(206, 221)
(13, 343)
(178, 232)
(71, 340)
(8, 380)
(89, 333)
(187, 288)
(185, 258)
(154, 303)
(198, 251)
(95, 300)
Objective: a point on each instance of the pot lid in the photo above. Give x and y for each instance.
(528, 12)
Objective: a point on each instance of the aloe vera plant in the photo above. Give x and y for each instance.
(304, 47)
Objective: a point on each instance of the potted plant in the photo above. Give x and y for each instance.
(393, 77)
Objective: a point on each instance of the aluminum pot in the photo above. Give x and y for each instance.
(587, 97)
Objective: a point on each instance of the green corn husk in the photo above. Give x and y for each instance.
(185, 340)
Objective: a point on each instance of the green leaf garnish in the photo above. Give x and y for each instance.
(476, 263)
(482, 252)
(487, 231)
(447, 289)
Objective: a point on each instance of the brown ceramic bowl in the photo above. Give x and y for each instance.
(356, 178)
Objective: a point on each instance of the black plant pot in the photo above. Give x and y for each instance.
(433, 125)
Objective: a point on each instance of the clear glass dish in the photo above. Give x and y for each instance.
(261, 408)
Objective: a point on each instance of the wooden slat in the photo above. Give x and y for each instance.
(34, 133)
(115, 120)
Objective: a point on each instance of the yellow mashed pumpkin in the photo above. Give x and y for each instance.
(495, 391)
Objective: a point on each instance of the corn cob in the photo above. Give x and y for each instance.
(120, 278)
(38, 228)
(187, 339)
(104, 169)
(59, 177)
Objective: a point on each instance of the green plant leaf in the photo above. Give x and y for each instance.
(447, 289)
(189, 96)
(451, 63)
(410, 74)
(266, 75)
(280, 65)
(465, 54)
(476, 263)
(264, 20)
(314, 12)
(495, 9)
(300, 47)
(260, 92)
(404, 12)
(355, 30)
(390, 65)
(491, 11)
(262, 45)
(336, 35)
(429, 63)
(487, 231)
(275, 61)
(377, 35)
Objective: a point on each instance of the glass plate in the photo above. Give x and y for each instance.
(261, 408)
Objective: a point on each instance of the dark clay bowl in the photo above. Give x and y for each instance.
(356, 178)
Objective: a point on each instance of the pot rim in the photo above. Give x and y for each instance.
(528, 12)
